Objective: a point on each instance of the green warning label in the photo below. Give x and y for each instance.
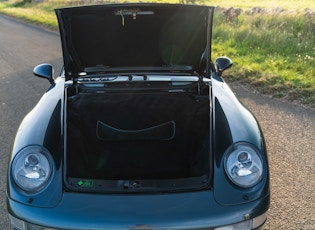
(86, 183)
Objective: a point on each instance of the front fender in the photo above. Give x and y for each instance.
(233, 123)
(42, 126)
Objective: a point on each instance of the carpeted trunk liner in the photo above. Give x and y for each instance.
(137, 136)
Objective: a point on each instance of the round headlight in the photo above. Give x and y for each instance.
(243, 165)
(31, 168)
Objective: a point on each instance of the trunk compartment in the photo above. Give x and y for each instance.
(146, 137)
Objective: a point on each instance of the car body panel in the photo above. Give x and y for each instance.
(43, 126)
(159, 211)
(234, 123)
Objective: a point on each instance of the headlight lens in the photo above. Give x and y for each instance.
(243, 165)
(31, 168)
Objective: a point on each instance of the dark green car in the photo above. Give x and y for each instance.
(139, 131)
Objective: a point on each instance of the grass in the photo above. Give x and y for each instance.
(272, 52)
(40, 14)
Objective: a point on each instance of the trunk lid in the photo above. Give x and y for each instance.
(135, 38)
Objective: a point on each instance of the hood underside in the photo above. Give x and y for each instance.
(134, 37)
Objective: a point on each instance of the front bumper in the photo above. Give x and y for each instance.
(194, 210)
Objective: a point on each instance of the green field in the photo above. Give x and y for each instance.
(272, 51)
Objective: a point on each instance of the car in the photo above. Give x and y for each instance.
(139, 130)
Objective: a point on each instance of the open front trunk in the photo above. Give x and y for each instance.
(143, 140)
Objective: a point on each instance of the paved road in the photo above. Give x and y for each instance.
(289, 129)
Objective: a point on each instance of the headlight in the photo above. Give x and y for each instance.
(31, 168)
(243, 165)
